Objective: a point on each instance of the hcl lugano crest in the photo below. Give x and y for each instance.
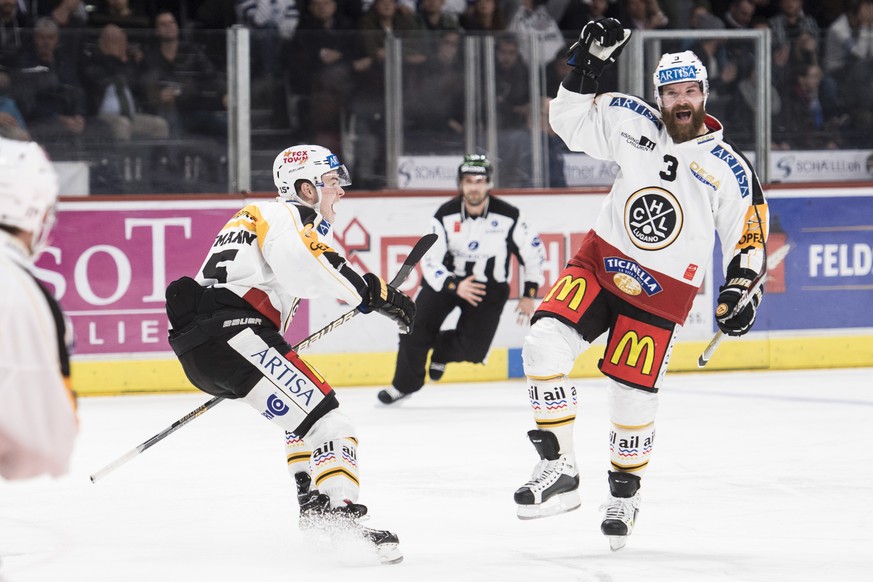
(653, 218)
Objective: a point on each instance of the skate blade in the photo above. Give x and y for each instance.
(617, 542)
(389, 553)
(560, 503)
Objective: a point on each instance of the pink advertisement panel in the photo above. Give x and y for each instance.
(109, 264)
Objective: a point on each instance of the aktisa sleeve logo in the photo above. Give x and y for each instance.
(653, 218)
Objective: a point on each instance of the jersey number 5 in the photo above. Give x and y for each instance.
(669, 173)
(211, 270)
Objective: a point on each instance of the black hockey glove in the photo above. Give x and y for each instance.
(599, 45)
(736, 289)
(388, 301)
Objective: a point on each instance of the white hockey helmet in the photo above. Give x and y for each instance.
(680, 68)
(306, 162)
(28, 189)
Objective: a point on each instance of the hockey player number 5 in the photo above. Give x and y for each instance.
(211, 270)
(669, 174)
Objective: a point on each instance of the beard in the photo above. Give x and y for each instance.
(685, 131)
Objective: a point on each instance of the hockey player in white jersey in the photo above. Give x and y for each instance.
(638, 270)
(38, 423)
(227, 326)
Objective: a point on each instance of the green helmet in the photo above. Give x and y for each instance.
(476, 164)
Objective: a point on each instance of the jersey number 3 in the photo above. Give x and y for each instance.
(669, 173)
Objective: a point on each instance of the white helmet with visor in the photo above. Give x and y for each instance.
(310, 163)
(28, 190)
(680, 68)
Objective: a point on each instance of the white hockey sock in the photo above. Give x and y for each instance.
(298, 453)
(553, 401)
(334, 470)
(630, 447)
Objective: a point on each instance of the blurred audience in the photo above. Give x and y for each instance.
(112, 82)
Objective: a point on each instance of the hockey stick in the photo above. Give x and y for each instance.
(772, 262)
(415, 255)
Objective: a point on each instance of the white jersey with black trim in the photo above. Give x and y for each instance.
(482, 245)
(272, 253)
(38, 423)
(653, 239)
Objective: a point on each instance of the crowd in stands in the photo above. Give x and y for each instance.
(75, 72)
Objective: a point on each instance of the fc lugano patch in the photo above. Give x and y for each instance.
(572, 294)
(636, 352)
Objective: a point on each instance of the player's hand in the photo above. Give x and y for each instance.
(388, 301)
(730, 294)
(525, 310)
(599, 45)
(471, 291)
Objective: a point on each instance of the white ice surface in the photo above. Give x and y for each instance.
(756, 476)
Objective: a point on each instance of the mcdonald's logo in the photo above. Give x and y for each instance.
(567, 284)
(635, 347)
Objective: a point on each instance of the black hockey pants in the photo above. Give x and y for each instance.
(468, 342)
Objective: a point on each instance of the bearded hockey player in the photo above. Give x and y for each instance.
(637, 272)
(227, 326)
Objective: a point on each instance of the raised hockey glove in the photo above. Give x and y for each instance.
(733, 321)
(599, 45)
(388, 301)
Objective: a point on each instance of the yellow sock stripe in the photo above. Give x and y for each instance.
(299, 457)
(630, 427)
(555, 422)
(629, 468)
(544, 378)
(339, 472)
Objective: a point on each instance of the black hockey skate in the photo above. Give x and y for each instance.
(391, 395)
(303, 482)
(553, 487)
(620, 510)
(436, 370)
(317, 514)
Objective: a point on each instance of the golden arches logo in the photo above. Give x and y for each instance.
(635, 346)
(567, 284)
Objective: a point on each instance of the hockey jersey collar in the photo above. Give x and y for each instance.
(465, 216)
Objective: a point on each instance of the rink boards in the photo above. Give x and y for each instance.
(111, 259)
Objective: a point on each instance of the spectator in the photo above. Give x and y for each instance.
(71, 18)
(712, 52)
(849, 39)
(12, 125)
(578, 14)
(432, 16)
(434, 109)
(382, 18)
(812, 120)
(788, 24)
(118, 12)
(643, 15)
(111, 81)
(321, 79)
(513, 108)
(532, 18)
(483, 15)
(739, 15)
(54, 102)
(12, 24)
(182, 84)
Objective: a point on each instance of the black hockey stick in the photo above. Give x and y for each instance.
(415, 255)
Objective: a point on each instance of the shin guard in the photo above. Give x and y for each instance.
(553, 401)
(334, 470)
